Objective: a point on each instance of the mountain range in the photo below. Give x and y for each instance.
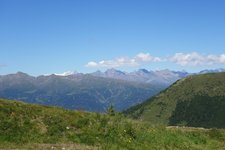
(161, 77)
(90, 92)
(78, 91)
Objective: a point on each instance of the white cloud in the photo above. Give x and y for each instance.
(222, 58)
(183, 59)
(195, 59)
(91, 64)
(146, 57)
(124, 61)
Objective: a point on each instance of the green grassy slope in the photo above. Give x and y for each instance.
(26, 126)
(197, 100)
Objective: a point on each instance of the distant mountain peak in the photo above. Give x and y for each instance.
(164, 70)
(21, 74)
(143, 71)
(114, 71)
(212, 70)
(98, 72)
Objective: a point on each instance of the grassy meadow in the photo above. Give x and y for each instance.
(27, 126)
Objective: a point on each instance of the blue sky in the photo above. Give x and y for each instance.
(54, 36)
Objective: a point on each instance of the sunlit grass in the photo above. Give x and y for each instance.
(27, 126)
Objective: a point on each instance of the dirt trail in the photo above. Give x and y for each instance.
(187, 128)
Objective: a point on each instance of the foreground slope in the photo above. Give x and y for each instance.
(26, 126)
(197, 100)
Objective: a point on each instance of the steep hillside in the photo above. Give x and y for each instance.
(26, 126)
(78, 91)
(197, 100)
